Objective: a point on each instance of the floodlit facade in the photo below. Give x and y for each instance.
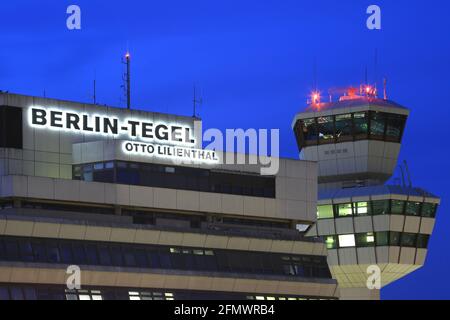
(108, 191)
(364, 222)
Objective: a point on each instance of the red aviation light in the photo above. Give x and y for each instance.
(315, 98)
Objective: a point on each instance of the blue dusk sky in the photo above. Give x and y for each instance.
(253, 61)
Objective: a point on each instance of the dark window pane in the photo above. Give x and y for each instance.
(12, 251)
(361, 122)
(310, 133)
(91, 254)
(53, 253)
(104, 255)
(394, 238)
(79, 254)
(141, 258)
(30, 293)
(326, 129)
(422, 241)
(26, 251)
(365, 240)
(4, 293)
(377, 125)
(344, 127)
(116, 256)
(413, 208)
(409, 240)
(380, 207)
(39, 250)
(66, 253)
(429, 210)
(397, 207)
(394, 129)
(17, 293)
(382, 238)
(130, 260)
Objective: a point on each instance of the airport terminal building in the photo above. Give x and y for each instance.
(110, 190)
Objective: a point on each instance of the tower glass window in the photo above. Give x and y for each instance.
(380, 207)
(394, 238)
(365, 240)
(361, 208)
(408, 240)
(347, 241)
(377, 125)
(397, 206)
(361, 128)
(309, 131)
(331, 242)
(326, 129)
(382, 238)
(429, 210)
(394, 127)
(412, 208)
(422, 241)
(344, 210)
(344, 127)
(325, 212)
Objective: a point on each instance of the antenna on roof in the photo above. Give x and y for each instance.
(315, 85)
(95, 88)
(196, 101)
(127, 79)
(385, 88)
(407, 173)
(376, 67)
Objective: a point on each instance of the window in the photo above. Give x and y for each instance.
(331, 242)
(326, 129)
(412, 208)
(429, 210)
(408, 239)
(394, 238)
(347, 241)
(382, 238)
(377, 125)
(394, 128)
(365, 240)
(325, 212)
(361, 122)
(344, 210)
(361, 208)
(380, 207)
(397, 206)
(344, 127)
(309, 131)
(422, 241)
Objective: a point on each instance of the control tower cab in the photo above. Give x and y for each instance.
(356, 140)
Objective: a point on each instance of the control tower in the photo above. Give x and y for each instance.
(369, 227)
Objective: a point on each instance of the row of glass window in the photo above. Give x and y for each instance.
(377, 207)
(372, 239)
(175, 177)
(44, 292)
(350, 127)
(159, 257)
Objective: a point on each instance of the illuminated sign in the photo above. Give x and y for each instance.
(110, 125)
(175, 153)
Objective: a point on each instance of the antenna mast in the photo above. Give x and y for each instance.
(196, 101)
(128, 80)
